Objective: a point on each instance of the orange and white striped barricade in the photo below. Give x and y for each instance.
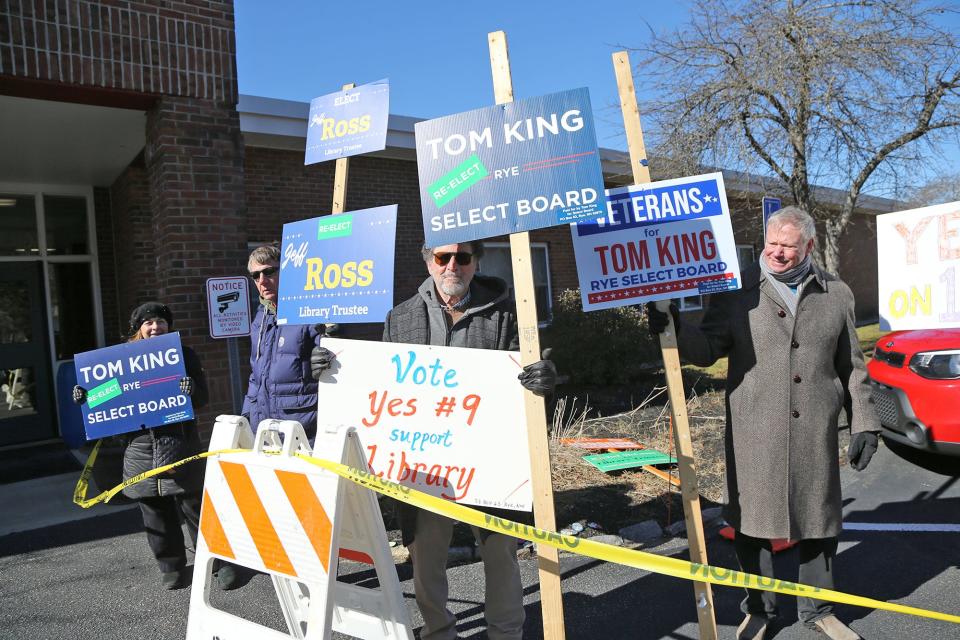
(273, 512)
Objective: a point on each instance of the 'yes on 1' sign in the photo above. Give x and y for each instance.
(131, 386)
(508, 168)
(659, 240)
(919, 268)
(348, 122)
(445, 420)
(338, 268)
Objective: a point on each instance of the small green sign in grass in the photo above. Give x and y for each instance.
(608, 462)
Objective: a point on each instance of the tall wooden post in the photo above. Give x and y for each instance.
(340, 177)
(551, 600)
(689, 490)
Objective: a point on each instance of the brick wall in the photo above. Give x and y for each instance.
(194, 166)
(279, 189)
(172, 47)
(136, 276)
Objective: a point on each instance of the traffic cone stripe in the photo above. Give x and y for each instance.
(255, 517)
(313, 517)
(212, 530)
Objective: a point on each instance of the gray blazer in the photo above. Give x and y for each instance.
(787, 381)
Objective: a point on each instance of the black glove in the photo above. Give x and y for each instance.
(657, 320)
(862, 447)
(186, 386)
(79, 394)
(541, 376)
(321, 359)
(331, 329)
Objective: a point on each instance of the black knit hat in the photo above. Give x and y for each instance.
(149, 310)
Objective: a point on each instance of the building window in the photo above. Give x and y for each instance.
(496, 262)
(746, 255)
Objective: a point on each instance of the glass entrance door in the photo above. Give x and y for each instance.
(26, 401)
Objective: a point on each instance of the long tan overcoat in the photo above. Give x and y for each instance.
(788, 379)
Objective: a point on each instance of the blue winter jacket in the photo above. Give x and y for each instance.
(280, 383)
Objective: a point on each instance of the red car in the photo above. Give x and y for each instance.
(916, 388)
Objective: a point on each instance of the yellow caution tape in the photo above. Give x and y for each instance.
(610, 553)
(80, 491)
(582, 546)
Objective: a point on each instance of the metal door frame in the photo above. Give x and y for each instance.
(38, 190)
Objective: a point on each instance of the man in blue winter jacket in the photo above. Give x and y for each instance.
(281, 385)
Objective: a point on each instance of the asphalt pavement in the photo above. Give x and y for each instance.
(95, 578)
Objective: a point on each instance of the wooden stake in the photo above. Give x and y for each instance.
(340, 177)
(689, 490)
(551, 600)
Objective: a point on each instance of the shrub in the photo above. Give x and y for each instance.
(600, 348)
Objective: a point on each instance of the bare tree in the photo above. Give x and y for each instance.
(938, 190)
(847, 94)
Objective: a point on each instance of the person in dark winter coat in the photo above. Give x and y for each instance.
(165, 497)
(456, 308)
(794, 365)
(280, 385)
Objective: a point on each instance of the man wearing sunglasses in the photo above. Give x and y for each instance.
(457, 307)
(281, 385)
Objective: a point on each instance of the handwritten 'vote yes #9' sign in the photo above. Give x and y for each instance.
(659, 240)
(133, 386)
(338, 268)
(512, 167)
(443, 420)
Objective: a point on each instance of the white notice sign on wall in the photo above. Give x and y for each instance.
(228, 307)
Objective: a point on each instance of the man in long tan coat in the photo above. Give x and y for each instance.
(794, 364)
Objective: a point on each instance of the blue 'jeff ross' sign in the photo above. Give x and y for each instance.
(509, 168)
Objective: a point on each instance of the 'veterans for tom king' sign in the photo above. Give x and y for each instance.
(131, 386)
(659, 240)
(918, 265)
(348, 122)
(512, 167)
(444, 420)
(338, 268)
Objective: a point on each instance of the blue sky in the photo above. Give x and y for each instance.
(436, 57)
(435, 53)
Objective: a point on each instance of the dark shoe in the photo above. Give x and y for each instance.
(175, 579)
(752, 628)
(228, 577)
(831, 627)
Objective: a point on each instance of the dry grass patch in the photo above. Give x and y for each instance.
(583, 492)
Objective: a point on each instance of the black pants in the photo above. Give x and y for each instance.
(161, 520)
(816, 569)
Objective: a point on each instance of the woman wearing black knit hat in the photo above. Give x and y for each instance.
(165, 497)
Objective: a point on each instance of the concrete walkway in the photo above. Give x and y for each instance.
(45, 502)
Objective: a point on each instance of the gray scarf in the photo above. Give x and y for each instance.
(789, 284)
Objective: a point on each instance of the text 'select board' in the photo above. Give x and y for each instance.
(918, 268)
(338, 268)
(444, 420)
(348, 122)
(659, 240)
(132, 386)
(508, 168)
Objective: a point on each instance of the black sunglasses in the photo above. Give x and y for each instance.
(268, 272)
(463, 258)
